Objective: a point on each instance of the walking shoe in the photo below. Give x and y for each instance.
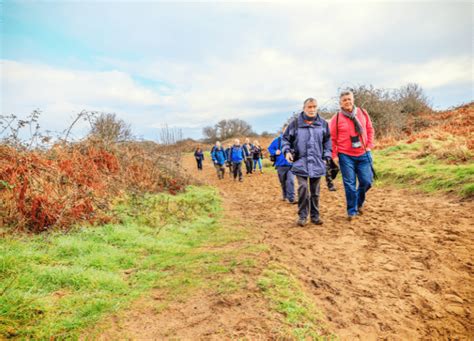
(293, 202)
(301, 222)
(241, 180)
(332, 189)
(316, 221)
(360, 211)
(351, 217)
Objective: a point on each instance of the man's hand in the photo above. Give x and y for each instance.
(278, 152)
(289, 157)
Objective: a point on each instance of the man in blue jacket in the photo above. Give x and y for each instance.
(219, 158)
(236, 156)
(307, 144)
(283, 167)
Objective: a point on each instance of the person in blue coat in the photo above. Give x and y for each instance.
(236, 156)
(219, 158)
(306, 143)
(227, 157)
(199, 156)
(283, 167)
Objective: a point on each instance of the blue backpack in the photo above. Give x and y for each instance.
(236, 154)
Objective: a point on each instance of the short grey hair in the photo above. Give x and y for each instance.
(310, 99)
(346, 93)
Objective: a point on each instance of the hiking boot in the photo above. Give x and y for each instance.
(293, 202)
(316, 221)
(301, 222)
(360, 211)
(332, 189)
(351, 217)
(241, 180)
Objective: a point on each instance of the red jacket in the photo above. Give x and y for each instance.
(341, 135)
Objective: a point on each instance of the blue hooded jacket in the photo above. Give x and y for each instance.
(311, 144)
(218, 155)
(280, 159)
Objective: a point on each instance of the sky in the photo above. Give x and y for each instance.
(191, 64)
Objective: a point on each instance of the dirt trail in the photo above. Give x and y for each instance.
(402, 271)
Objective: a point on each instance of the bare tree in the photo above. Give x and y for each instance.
(169, 136)
(109, 128)
(226, 129)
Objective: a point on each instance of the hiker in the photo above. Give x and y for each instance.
(352, 137)
(247, 147)
(257, 156)
(227, 158)
(199, 156)
(219, 158)
(307, 144)
(236, 156)
(283, 168)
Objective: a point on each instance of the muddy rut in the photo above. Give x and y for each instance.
(402, 271)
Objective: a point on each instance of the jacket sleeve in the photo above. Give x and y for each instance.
(273, 147)
(214, 154)
(333, 130)
(287, 138)
(327, 148)
(370, 131)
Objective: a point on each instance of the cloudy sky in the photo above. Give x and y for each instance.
(191, 64)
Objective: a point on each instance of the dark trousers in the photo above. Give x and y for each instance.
(329, 181)
(248, 165)
(308, 198)
(199, 163)
(237, 170)
(220, 169)
(287, 179)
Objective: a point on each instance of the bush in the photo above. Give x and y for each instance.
(73, 182)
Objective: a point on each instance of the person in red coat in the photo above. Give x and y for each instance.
(352, 138)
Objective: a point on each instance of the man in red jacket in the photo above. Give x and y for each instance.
(352, 138)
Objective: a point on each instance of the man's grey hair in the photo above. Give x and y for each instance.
(346, 93)
(307, 100)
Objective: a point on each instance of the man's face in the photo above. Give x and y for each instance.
(347, 102)
(247, 141)
(218, 144)
(236, 142)
(310, 108)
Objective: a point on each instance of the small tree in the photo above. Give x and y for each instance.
(226, 129)
(109, 128)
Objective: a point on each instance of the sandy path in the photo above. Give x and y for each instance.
(404, 270)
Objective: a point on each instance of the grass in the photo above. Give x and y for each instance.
(61, 285)
(303, 320)
(427, 165)
(54, 285)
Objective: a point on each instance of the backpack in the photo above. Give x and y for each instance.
(274, 157)
(235, 153)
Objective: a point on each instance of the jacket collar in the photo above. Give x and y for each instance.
(302, 123)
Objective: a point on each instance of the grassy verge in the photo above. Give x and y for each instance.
(303, 321)
(54, 285)
(57, 285)
(429, 165)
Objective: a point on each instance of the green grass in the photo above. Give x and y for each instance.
(61, 285)
(303, 320)
(54, 285)
(420, 166)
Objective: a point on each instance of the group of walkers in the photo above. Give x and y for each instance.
(307, 149)
(232, 157)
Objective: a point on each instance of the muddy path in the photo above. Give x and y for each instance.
(402, 271)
